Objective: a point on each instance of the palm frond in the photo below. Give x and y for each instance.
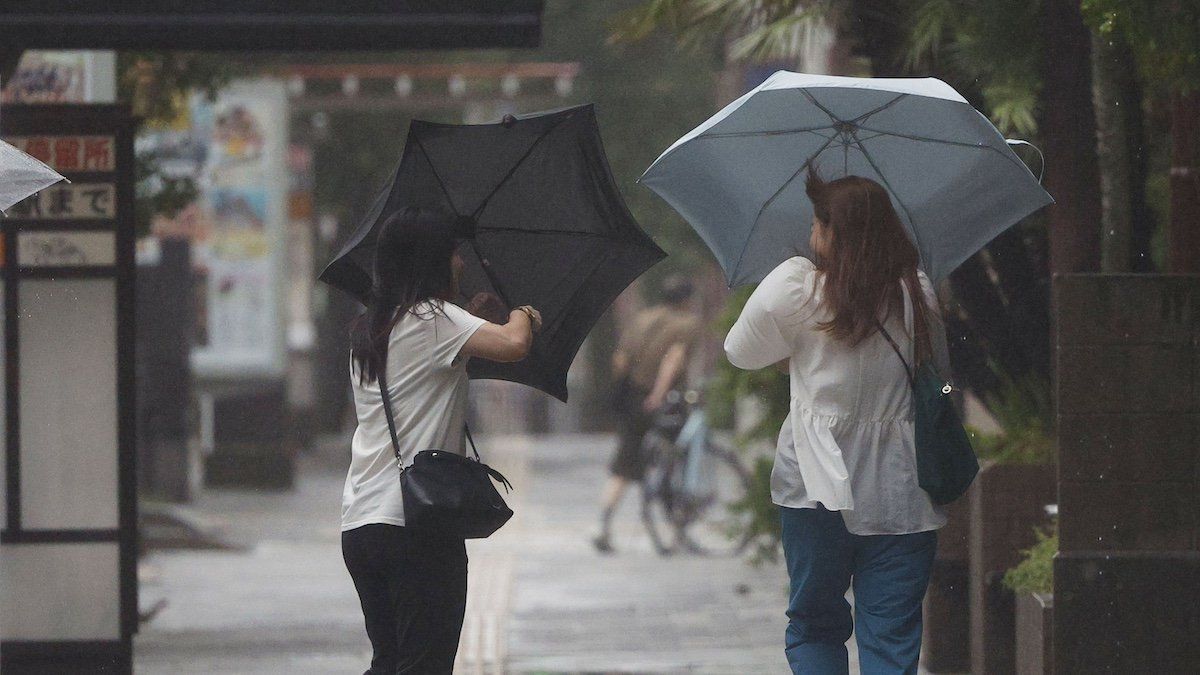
(930, 24)
(1013, 105)
(641, 22)
(783, 38)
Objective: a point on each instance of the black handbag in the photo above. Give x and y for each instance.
(946, 462)
(447, 493)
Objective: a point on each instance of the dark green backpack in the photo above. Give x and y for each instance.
(946, 462)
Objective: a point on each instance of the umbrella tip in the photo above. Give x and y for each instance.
(508, 120)
(464, 227)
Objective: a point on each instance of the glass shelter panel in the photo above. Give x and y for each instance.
(69, 411)
(32, 588)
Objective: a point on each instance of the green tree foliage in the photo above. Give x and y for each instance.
(985, 44)
(1035, 573)
(764, 31)
(158, 87)
(1165, 36)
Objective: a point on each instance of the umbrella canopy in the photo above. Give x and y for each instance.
(546, 226)
(738, 178)
(21, 176)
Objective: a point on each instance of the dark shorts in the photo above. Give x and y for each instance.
(629, 462)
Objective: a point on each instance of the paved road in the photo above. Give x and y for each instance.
(541, 600)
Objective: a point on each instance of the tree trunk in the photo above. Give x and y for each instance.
(1112, 67)
(878, 35)
(1144, 221)
(1184, 234)
(1068, 131)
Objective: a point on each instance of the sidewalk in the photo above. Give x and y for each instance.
(541, 600)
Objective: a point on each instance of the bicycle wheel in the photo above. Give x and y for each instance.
(707, 521)
(659, 494)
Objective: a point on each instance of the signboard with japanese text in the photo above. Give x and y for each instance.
(67, 202)
(69, 153)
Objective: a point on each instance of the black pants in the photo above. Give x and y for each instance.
(413, 590)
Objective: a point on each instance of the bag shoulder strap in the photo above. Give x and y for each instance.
(912, 378)
(391, 421)
(387, 411)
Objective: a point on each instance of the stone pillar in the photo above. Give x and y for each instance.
(165, 327)
(1127, 576)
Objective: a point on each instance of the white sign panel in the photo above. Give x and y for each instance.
(69, 201)
(74, 248)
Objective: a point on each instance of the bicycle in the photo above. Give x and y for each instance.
(691, 483)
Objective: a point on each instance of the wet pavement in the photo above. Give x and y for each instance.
(541, 599)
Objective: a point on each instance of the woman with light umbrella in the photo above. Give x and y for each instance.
(846, 301)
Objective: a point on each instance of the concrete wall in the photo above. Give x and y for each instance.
(1127, 578)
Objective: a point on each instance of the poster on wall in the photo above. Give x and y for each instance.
(240, 246)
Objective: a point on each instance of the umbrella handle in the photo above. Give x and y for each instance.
(1017, 141)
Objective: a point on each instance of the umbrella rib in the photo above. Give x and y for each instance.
(574, 233)
(757, 218)
(881, 108)
(775, 132)
(436, 175)
(817, 103)
(876, 135)
(912, 225)
(930, 139)
(516, 165)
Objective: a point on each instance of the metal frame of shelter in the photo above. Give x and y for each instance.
(114, 651)
(287, 25)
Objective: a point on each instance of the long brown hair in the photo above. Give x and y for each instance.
(869, 253)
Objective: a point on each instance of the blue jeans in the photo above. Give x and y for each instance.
(889, 573)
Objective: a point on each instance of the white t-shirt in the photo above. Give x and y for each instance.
(427, 383)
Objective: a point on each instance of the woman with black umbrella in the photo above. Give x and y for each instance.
(413, 583)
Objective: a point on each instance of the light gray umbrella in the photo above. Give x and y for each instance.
(738, 178)
(21, 176)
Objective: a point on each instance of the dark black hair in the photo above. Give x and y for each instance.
(676, 290)
(412, 263)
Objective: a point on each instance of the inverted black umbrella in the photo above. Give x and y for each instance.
(542, 220)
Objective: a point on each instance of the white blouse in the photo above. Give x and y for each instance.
(848, 441)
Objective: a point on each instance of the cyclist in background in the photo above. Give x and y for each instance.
(650, 360)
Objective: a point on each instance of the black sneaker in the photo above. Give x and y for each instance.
(603, 545)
